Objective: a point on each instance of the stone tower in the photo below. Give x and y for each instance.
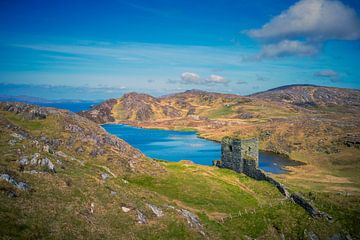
(240, 155)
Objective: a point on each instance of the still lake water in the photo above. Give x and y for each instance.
(71, 106)
(175, 146)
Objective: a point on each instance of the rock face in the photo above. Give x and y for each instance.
(101, 113)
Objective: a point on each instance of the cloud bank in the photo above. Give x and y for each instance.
(301, 29)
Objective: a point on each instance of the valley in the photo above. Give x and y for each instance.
(318, 126)
(63, 176)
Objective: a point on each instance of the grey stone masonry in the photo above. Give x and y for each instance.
(240, 155)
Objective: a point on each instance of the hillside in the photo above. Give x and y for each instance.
(312, 96)
(63, 177)
(325, 136)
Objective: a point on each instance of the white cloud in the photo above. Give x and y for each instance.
(313, 19)
(194, 78)
(216, 79)
(302, 28)
(190, 77)
(328, 73)
(287, 48)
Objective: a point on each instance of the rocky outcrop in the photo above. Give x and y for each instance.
(156, 210)
(192, 220)
(19, 185)
(101, 113)
(141, 217)
(29, 112)
(77, 134)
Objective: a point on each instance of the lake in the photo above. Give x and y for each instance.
(175, 146)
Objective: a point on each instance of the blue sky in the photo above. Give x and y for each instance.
(73, 49)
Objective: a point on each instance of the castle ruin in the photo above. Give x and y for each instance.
(242, 156)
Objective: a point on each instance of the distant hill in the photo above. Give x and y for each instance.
(143, 107)
(73, 105)
(311, 95)
(30, 99)
(305, 122)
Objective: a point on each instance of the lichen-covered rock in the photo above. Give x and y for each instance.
(141, 217)
(156, 210)
(192, 220)
(48, 164)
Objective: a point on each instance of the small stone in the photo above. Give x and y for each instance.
(23, 161)
(79, 150)
(34, 159)
(125, 181)
(92, 206)
(61, 154)
(46, 148)
(104, 176)
(125, 209)
(18, 136)
(113, 193)
(11, 194)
